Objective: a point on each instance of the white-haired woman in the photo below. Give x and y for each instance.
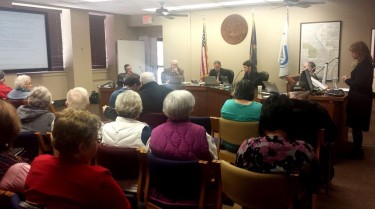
(127, 131)
(35, 115)
(179, 139)
(22, 88)
(77, 98)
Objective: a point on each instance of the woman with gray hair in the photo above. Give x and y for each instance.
(35, 115)
(22, 87)
(67, 180)
(178, 138)
(126, 130)
(77, 98)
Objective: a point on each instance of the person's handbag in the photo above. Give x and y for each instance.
(94, 98)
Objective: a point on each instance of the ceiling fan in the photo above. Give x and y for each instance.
(301, 3)
(167, 14)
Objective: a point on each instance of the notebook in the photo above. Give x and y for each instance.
(271, 87)
(210, 81)
(175, 80)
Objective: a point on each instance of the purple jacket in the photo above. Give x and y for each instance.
(180, 141)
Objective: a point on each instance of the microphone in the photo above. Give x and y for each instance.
(237, 76)
(336, 58)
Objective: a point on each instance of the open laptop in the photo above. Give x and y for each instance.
(271, 87)
(210, 81)
(175, 80)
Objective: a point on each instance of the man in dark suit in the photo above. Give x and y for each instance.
(152, 94)
(218, 72)
(252, 74)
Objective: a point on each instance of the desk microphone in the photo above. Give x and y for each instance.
(336, 58)
(237, 76)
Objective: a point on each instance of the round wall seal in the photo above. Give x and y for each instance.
(234, 29)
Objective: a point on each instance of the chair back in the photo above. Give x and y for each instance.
(45, 143)
(153, 119)
(263, 76)
(234, 132)
(17, 102)
(202, 121)
(175, 184)
(122, 162)
(230, 76)
(28, 141)
(258, 190)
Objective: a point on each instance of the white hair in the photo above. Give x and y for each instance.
(178, 105)
(77, 98)
(20, 81)
(147, 77)
(174, 62)
(40, 97)
(129, 104)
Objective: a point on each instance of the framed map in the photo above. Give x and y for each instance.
(320, 43)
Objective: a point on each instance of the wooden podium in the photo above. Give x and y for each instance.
(208, 100)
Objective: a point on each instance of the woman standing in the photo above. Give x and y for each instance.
(359, 105)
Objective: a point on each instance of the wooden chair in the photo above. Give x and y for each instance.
(28, 141)
(234, 133)
(258, 190)
(123, 164)
(179, 184)
(9, 200)
(45, 143)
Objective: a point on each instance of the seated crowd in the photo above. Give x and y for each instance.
(77, 133)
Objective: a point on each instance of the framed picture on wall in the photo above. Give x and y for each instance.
(372, 42)
(320, 43)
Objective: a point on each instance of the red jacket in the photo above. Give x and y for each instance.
(55, 184)
(4, 90)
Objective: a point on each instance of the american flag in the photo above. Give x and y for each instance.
(204, 65)
(253, 45)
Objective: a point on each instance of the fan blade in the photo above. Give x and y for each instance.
(177, 15)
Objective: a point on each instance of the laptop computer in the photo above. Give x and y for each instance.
(175, 80)
(210, 81)
(271, 87)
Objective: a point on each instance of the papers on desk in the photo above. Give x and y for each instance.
(345, 89)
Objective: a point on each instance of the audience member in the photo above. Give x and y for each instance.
(123, 76)
(68, 180)
(252, 74)
(22, 87)
(132, 83)
(218, 72)
(77, 98)
(179, 139)
(127, 131)
(35, 115)
(4, 89)
(242, 107)
(151, 93)
(10, 125)
(174, 70)
(276, 151)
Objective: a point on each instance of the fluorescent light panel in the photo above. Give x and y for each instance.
(213, 5)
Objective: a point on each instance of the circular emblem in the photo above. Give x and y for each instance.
(234, 29)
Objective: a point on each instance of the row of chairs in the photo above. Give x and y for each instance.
(33, 143)
(163, 183)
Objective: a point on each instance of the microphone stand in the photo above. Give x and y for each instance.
(237, 76)
(326, 70)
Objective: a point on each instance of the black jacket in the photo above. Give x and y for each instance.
(152, 95)
(223, 72)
